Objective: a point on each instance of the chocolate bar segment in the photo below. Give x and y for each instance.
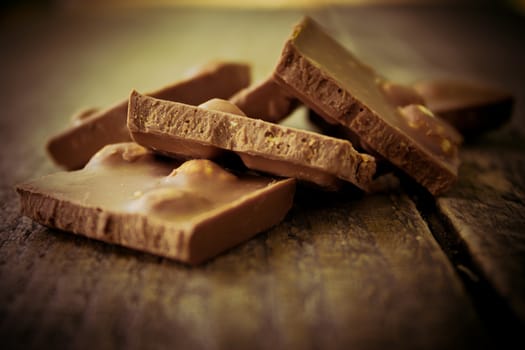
(73, 147)
(471, 108)
(401, 95)
(265, 100)
(128, 196)
(176, 128)
(327, 78)
(83, 114)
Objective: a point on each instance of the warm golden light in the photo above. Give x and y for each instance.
(244, 4)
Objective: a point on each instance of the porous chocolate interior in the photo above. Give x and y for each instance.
(330, 80)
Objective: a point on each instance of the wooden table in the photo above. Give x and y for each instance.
(395, 269)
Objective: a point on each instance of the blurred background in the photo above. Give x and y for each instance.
(59, 56)
(87, 4)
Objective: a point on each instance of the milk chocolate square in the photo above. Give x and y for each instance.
(327, 78)
(73, 147)
(185, 131)
(187, 211)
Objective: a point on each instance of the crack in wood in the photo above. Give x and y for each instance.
(501, 323)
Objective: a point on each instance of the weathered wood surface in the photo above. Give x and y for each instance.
(341, 271)
(337, 273)
(487, 210)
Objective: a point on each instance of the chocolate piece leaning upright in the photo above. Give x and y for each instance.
(73, 147)
(126, 195)
(218, 126)
(341, 89)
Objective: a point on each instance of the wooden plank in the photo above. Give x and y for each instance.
(338, 273)
(487, 211)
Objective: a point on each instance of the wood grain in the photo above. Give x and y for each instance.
(335, 274)
(487, 211)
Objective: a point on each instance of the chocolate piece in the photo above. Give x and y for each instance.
(223, 106)
(265, 100)
(183, 130)
(331, 81)
(128, 196)
(73, 147)
(83, 114)
(401, 95)
(472, 109)
(441, 136)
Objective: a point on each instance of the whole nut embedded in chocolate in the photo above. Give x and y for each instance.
(218, 104)
(199, 169)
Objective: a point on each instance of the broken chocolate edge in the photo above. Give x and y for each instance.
(357, 117)
(180, 243)
(364, 164)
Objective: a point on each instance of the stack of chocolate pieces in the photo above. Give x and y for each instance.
(185, 174)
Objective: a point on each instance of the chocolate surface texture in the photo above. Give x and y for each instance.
(187, 211)
(327, 78)
(472, 108)
(185, 131)
(73, 147)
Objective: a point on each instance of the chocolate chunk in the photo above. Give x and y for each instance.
(83, 114)
(401, 95)
(341, 89)
(472, 108)
(188, 131)
(126, 195)
(265, 100)
(73, 147)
